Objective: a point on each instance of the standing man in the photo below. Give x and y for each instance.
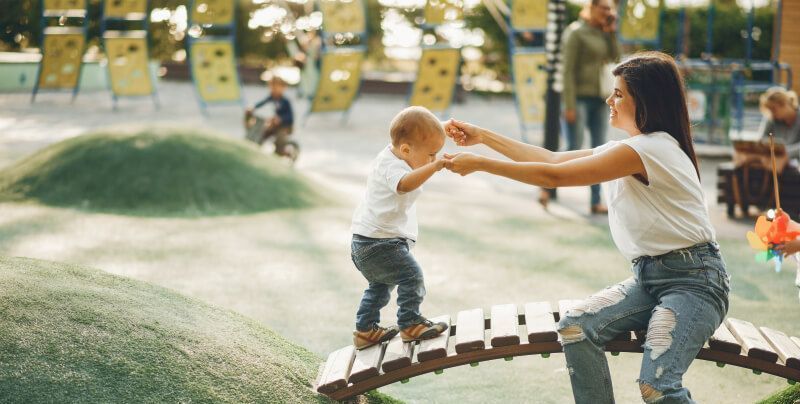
(589, 44)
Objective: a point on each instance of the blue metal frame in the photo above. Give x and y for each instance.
(231, 27)
(655, 42)
(512, 50)
(324, 36)
(145, 27)
(43, 21)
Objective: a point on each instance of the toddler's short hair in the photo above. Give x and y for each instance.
(414, 124)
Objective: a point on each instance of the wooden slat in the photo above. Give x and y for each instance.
(505, 325)
(470, 331)
(435, 347)
(540, 322)
(754, 344)
(337, 369)
(397, 355)
(787, 350)
(724, 341)
(366, 363)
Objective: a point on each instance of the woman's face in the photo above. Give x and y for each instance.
(781, 111)
(623, 108)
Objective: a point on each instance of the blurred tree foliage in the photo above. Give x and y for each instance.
(20, 19)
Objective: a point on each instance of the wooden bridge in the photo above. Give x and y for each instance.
(348, 372)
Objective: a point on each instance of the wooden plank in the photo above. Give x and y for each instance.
(754, 344)
(434, 348)
(366, 363)
(505, 325)
(540, 322)
(397, 355)
(470, 331)
(724, 341)
(787, 350)
(336, 371)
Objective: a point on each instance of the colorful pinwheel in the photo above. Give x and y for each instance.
(770, 233)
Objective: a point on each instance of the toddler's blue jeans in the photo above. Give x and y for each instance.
(386, 263)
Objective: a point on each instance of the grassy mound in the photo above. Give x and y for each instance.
(71, 334)
(157, 172)
(789, 395)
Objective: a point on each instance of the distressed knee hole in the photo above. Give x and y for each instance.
(571, 333)
(649, 394)
(605, 298)
(659, 332)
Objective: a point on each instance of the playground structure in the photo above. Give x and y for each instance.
(348, 372)
(62, 46)
(127, 51)
(209, 44)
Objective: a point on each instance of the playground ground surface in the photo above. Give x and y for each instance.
(483, 241)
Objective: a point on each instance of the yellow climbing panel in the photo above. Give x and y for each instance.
(125, 8)
(214, 70)
(127, 63)
(62, 5)
(641, 20)
(529, 14)
(339, 81)
(216, 12)
(530, 85)
(61, 58)
(343, 16)
(438, 12)
(436, 78)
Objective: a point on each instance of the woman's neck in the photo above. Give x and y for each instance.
(791, 118)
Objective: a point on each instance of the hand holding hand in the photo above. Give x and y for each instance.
(462, 163)
(462, 133)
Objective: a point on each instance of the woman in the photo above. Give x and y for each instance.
(658, 219)
(781, 115)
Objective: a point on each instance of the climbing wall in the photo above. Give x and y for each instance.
(214, 70)
(438, 12)
(343, 16)
(339, 80)
(61, 58)
(436, 78)
(640, 20)
(124, 8)
(50, 5)
(212, 12)
(530, 85)
(127, 64)
(529, 15)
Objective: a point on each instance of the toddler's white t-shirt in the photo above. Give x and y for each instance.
(667, 214)
(384, 212)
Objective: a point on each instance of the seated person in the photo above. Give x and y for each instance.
(280, 124)
(781, 117)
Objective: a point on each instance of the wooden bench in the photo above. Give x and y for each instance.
(734, 188)
(531, 330)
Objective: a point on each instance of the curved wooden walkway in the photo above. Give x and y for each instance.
(508, 333)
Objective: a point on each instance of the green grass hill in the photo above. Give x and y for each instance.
(72, 335)
(790, 395)
(157, 172)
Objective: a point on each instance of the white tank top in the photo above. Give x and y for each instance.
(667, 214)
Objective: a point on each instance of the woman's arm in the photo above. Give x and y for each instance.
(465, 134)
(616, 162)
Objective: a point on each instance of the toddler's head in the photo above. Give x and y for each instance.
(417, 136)
(277, 86)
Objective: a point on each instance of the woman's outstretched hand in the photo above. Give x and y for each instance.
(462, 163)
(464, 134)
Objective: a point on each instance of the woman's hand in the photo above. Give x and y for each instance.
(789, 248)
(464, 134)
(462, 163)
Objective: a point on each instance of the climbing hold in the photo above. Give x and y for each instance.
(438, 371)
(404, 381)
(757, 372)
(545, 355)
(614, 353)
(720, 365)
(509, 358)
(473, 364)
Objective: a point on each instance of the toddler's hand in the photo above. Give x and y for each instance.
(462, 163)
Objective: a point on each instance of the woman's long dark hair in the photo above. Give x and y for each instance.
(657, 88)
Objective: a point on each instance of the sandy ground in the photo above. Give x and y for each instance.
(484, 241)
